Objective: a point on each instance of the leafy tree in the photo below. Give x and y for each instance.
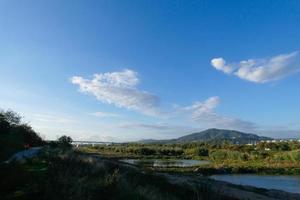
(15, 135)
(7, 120)
(145, 151)
(65, 140)
(202, 151)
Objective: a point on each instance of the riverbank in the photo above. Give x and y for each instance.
(232, 190)
(224, 159)
(73, 175)
(69, 175)
(222, 188)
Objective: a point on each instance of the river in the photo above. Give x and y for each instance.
(166, 163)
(285, 183)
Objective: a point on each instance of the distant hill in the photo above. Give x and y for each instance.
(222, 135)
(215, 136)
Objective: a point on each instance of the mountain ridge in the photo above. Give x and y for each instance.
(215, 136)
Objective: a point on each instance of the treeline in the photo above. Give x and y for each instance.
(216, 152)
(15, 135)
(153, 150)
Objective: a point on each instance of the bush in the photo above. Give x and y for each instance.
(201, 151)
(15, 135)
(65, 141)
(290, 156)
(197, 151)
(145, 151)
(229, 155)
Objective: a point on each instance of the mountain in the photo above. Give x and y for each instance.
(214, 135)
(222, 135)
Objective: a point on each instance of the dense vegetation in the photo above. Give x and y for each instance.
(60, 174)
(279, 157)
(15, 135)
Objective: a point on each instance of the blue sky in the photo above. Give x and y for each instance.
(129, 70)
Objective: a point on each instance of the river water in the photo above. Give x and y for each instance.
(285, 183)
(166, 163)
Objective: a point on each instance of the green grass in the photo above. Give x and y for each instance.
(283, 158)
(77, 176)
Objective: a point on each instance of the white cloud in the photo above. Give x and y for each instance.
(205, 114)
(105, 114)
(260, 70)
(96, 137)
(154, 127)
(220, 64)
(119, 89)
(203, 108)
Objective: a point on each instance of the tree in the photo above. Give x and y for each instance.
(30, 136)
(15, 135)
(8, 119)
(65, 141)
(201, 151)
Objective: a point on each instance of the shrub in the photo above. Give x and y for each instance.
(145, 151)
(228, 155)
(15, 135)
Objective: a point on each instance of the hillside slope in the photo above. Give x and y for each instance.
(216, 136)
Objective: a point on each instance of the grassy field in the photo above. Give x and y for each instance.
(269, 158)
(69, 175)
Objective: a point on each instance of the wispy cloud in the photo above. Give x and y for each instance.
(261, 70)
(203, 112)
(47, 118)
(157, 130)
(120, 89)
(105, 114)
(155, 127)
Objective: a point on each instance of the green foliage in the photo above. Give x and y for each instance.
(144, 151)
(15, 135)
(82, 177)
(217, 152)
(65, 141)
(279, 146)
(201, 151)
(229, 155)
(9, 118)
(290, 155)
(197, 151)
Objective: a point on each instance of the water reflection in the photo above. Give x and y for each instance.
(166, 163)
(286, 183)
